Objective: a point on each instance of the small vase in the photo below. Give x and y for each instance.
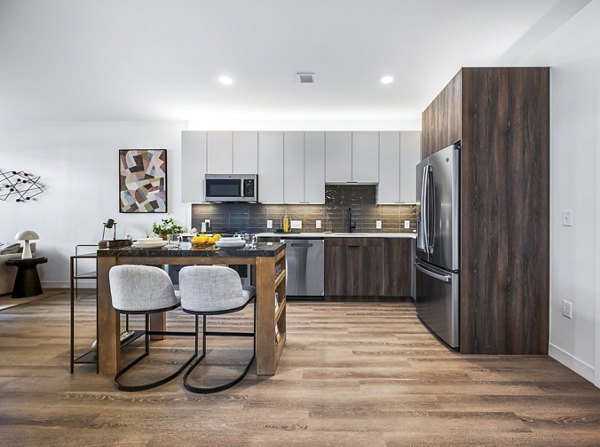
(164, 236)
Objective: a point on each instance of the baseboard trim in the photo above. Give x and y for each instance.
(58, 284)
(573, 363)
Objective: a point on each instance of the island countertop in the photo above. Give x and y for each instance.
(267, 249)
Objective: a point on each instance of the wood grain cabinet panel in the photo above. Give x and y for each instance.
(501, 116)
(353, 267)
(397, 260)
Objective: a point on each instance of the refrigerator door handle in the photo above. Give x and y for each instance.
(424, 178)
(430, 216)
(444, 278)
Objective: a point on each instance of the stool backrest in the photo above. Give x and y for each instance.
(210, 289)
(139, 288)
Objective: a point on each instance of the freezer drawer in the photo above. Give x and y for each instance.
(437, 301)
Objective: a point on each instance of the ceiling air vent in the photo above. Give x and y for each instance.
(306, 78)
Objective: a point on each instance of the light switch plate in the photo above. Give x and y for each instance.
(378, 224)
(407, 224)
(567, 218)
(296, 224)
(317, 223)
(269, 223)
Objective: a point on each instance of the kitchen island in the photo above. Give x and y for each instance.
(268, 261)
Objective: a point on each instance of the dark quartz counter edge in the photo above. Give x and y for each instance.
(262, 249)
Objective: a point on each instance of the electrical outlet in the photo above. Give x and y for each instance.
(269, 223)
(207, 222)
(378, 224)
(317, 223)
(407, 224)
(296, 224)
(567, 218)
(567, 309)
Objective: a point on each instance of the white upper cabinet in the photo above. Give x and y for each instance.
(365, 157)
(270, 167)
(338, 157)
(399, 153)
(352, 157)
(314, 167)
(303, 167)
(232, 152)
(245, 152)
(193, 165)
(410, 156)
(388, 190)
(293, 167)
(220, 153)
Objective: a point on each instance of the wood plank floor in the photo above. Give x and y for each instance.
(352, 374)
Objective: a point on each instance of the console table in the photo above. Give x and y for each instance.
(268, 261)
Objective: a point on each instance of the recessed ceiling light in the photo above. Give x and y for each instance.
(225, 80)
(386, 79)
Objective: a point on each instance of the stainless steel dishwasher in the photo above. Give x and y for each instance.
(305, 267)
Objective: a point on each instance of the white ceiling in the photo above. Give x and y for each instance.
(159, 60)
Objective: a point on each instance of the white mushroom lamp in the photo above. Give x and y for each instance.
(27, 235)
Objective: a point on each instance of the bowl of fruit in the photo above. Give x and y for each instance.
(205, 240)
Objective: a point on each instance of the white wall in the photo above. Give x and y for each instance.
(573, 53)
(78, 163)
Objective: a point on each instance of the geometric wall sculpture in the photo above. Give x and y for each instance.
(143, 180)
(19, 185)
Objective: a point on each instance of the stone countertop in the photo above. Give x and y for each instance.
(267, 249)
(319, 235)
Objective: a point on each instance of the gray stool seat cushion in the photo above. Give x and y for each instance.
(208, 289)
(141, 288)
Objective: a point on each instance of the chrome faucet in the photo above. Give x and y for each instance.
(349, 224)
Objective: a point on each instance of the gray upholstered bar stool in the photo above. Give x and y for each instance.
(214, 290)
(142, 289)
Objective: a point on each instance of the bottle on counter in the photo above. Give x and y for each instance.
(286, 224)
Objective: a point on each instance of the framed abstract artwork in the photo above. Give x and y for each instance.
(143, 180)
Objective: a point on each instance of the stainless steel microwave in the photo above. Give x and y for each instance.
(231, 187)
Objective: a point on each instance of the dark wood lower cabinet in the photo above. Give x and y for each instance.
(353, 266)
(367, 267)
(397, 259)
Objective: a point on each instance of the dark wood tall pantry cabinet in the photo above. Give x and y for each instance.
(501, 118)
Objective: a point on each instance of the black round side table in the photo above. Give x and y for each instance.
(27, 282)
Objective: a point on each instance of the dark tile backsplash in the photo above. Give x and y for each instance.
(252, 218)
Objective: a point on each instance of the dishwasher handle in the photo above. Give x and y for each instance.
(297, 244)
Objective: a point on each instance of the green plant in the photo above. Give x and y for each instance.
(166, 226)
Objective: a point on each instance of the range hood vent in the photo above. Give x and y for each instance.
(306, 78)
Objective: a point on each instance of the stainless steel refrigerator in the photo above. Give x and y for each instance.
(437, 260)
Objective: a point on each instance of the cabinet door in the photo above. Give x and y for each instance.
(410, 156)
(314, 167)
(245, 152)
(220, 153)
(388, 190)
(270, 167)
(353, 267)
(338, 157)
(335, 269)
(293, 167)
(365, 157)
(397, 266)
(193, 165)
(364, 268)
